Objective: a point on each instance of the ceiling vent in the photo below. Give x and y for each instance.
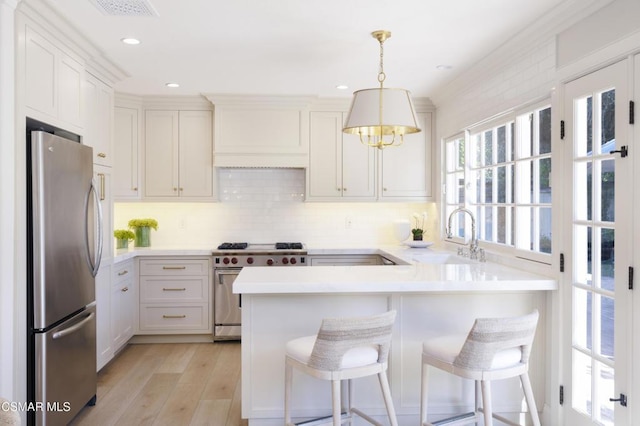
(125, 7)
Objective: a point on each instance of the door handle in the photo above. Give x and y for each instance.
(101, 176)
(622, 400)
(623, 151)
(67, 331)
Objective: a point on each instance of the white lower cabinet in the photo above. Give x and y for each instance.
(104, 344)
(175, 295)
(123, 304)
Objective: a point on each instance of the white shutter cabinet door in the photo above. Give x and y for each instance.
(196, 154)
(98, 100)
(161, 153)
(325, 156)
(358, 168)
(41, 92)
(407, 170)
(125, 164)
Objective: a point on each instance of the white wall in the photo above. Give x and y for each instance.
(8, 197)
(266, 205)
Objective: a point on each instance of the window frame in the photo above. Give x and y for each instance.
(514, 161)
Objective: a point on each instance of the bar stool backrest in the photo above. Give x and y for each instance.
(338, 335)
(492, 335)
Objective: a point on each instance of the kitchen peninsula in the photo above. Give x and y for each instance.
(433, 292)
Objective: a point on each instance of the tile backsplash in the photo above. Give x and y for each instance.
(267, 205)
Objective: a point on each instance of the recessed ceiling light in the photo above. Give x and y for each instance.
(172, 85)
(130, 40)
(443, 67)
(342, 87)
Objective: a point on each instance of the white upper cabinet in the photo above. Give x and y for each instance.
(406, 171)
(125, 163)
(99, 120)
(254, 131)
(178, 154)
(339, 165)
(53, 82)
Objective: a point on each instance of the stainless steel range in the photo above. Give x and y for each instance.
(228, 261)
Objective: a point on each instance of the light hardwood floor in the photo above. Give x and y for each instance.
(169, 384)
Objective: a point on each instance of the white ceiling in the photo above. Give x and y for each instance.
(299, 47)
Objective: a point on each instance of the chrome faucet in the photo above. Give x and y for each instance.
(473, 244)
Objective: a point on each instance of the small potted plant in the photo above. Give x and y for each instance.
(123, 236)
(418, 230)
(142, 229)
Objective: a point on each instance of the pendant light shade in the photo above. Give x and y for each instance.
(381, 116)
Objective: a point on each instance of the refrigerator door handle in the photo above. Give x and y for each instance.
(67, 331)
(94, 264)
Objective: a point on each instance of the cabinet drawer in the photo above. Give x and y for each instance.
(123, 271)
(169, 318)
(174, 267)
(165, 289)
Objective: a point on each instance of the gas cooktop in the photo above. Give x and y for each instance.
(261, 247)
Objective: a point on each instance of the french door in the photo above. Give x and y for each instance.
(597, 234)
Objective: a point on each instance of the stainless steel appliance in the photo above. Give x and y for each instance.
(228, 261)
(64, 249)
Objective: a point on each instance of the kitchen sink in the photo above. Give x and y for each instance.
(441, 258)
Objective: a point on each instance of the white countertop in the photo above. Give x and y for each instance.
(428, 271)
(126, 254)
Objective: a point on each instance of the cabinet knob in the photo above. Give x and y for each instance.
(384, 189)
(338, 189)
(102, 155)
(344, 189)
(125, 289)
(175, 189)
(181, 189)
(135, 188)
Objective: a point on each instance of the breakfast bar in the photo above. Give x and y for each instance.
(433, 292)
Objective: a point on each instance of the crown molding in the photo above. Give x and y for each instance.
(261, 101)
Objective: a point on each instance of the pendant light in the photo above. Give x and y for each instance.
(381, 116)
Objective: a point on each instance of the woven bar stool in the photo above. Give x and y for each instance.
(494, 349)
(343, 349)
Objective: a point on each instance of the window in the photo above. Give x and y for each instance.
(501, 173)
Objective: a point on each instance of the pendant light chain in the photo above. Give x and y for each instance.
(381, 74)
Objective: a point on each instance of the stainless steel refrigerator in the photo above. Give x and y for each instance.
(64, 249)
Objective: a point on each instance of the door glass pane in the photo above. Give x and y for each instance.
(545, 185)
(582, 254)
(545, 229)
(606, 307)
(544, 130)
(604, 383)
(581, 382)
(607, 121)
(582, 190)
(582, 321)
(583, 127)
(607, 190)
(607, 258)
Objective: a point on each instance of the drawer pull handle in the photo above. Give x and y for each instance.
(125, 272)
(102, 155)
(125, 289)
(174, 289)
(174, 316)
(174, 267)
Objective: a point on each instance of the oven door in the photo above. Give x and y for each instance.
(227, 311)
